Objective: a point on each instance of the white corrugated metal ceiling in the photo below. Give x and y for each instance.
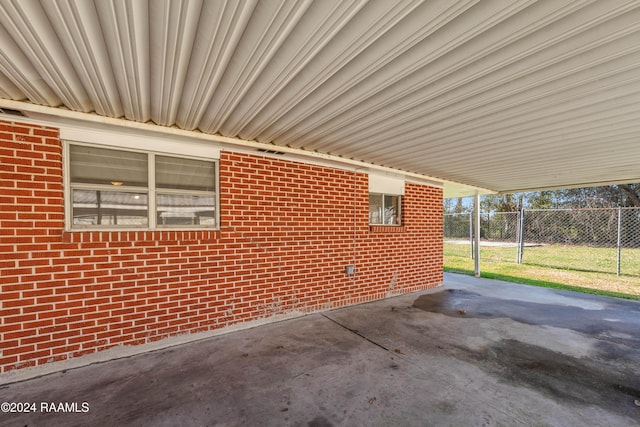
(502, 95)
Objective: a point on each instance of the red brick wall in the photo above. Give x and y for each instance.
(287, 232)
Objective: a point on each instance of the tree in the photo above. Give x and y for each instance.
(632, 192)
(611, 196)
(542, 199)
(455, 206)
(501, 203)
(459, 206)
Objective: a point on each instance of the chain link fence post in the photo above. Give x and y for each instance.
(619, 247)
(520, 237)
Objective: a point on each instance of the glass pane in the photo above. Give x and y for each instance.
(95, 207)
(392, 210)
(185, 174)
(184, 209)
(375, 208)
(91, 165)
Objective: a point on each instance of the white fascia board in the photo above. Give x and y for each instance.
(74, 125)
(134, 140)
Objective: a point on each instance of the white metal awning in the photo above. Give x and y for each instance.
(503, 95)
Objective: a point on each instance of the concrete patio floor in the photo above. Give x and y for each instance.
(474, 352)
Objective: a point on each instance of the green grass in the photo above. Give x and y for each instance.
(576, 268)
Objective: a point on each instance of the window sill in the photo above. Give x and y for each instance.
(85, 236)
(386, 228)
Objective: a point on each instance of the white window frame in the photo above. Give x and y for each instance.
(381, 214)
(386, 185)
(150, 190)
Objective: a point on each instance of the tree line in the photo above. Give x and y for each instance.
(611, 196)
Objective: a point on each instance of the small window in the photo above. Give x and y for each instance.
(384, 209)
(112, 188)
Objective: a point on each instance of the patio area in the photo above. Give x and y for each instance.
(473, 352)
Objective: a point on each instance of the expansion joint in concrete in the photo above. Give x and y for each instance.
(356, 332)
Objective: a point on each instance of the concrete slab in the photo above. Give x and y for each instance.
(473, 352)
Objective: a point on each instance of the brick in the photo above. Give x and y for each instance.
(283, 232)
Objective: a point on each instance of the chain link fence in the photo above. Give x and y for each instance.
(601, 240)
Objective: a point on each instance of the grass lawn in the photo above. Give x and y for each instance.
(580, 268)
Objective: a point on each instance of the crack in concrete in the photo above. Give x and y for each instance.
(356, 332)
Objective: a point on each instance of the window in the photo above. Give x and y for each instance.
(114, 188)
(385, 199)
(384, 209)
